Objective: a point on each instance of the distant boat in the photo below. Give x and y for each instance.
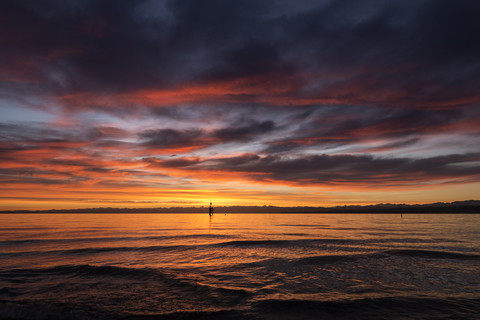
(210, 210)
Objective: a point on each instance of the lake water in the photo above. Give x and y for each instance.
(239, 266)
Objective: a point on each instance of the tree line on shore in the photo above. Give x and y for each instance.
(469, 206)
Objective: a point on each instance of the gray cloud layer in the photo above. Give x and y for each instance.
(281, 84)
(394, 53)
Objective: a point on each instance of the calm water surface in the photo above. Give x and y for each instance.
(239, 266)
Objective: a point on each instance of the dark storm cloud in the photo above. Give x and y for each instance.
(395, 48)
(198, 138)
(7, 148)
(396, 53)
(172, 163)
(318, 127)
(23, 143)
(341, 169)
(286, 86)
(38, 136)
(33, 154)
(243, 133)
(363, 123)
(171, 138)
(38, 174)
(333, 126)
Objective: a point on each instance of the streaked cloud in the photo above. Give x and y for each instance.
(169, 101)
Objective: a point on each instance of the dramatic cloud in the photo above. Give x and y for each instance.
(98, 53)
(168, 101)
(361, 170)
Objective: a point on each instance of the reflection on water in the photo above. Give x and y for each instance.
(238, 265)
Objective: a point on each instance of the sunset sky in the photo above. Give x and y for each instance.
(288, 103)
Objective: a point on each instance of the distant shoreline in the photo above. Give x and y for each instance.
(469, 206)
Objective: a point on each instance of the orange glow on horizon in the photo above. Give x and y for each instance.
(34, 197)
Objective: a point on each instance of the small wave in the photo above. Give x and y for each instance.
(329, 259)
(312, 260)
(432, 254)
(303, 225)
(313, 242)
(86, 270)
(25, 228)
(333, 259)
(165, 284)
(286, 243)
(27, 311)
(113, 239)
(373, 308)
(234, 243)
(191, 315)
(79, 270)
(97, 250)
(21, 242)
(248, 243)
(9, 292)
(86, 251)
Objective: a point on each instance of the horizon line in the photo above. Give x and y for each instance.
(338, 208)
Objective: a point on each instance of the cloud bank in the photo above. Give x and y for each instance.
(248, 100)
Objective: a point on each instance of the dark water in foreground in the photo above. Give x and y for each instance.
(239, 266)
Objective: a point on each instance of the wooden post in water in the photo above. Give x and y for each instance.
(210, 210)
